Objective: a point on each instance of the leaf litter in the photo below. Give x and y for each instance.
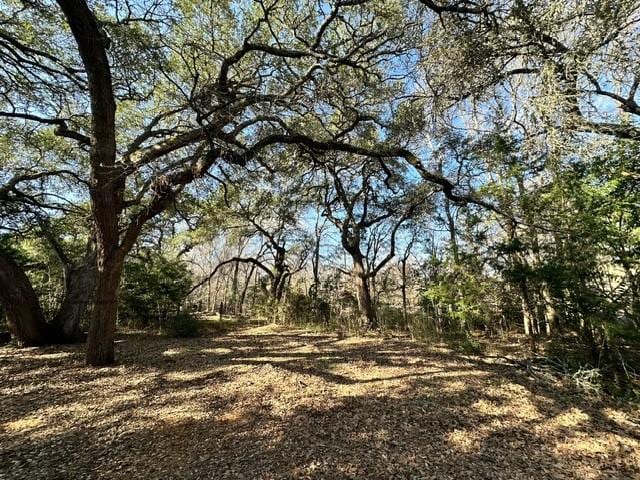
(275, 403)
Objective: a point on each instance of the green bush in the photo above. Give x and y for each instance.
(422, 327)
(464, 343)
(182, 325)
(153, 289)
(303, 309)
(391, 317)
(471, 346)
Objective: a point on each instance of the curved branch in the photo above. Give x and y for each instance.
(251, 260)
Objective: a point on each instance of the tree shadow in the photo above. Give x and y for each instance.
(299, 406)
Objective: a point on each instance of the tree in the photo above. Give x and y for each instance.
(30, 208)
(524, 58)
(355, 203)
(267, 214)
(21, 304)
(174, 143)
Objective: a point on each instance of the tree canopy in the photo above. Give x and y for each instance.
(432, 166)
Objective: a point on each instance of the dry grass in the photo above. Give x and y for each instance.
(266, 403)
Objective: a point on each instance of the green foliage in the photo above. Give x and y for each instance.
(300, 308)
(470, 346)
(42, 267)
(462, 297)
(153, 289)
(391, 317)
(218, 325)
(182, 325)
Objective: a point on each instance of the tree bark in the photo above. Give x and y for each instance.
(243, 293)
(80, 285)
(365, 301)
(107, 182)
(403, 288)
(634, 292)
(21, 305)
(279, 277)
(234, 289)
(100, 347)
(528, 315)
(281, 285)
(451, 227)
(550, 313)
(315, 259)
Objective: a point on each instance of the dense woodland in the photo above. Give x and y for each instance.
(452, 169)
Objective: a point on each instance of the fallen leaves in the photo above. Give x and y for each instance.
(270, 403)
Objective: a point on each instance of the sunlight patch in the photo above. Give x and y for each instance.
(170, 352)
(184, 376)
(24, 424)
(217, 351)
(522, 410)
(463, 440)
(455, 386)
(54, 356)
(571, 418)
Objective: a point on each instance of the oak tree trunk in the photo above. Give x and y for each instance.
(403, 288)
(276, 288)
(550, 313)
(21, 305)
(243, 293)
(100, 341)
(107, 181)
(528, 314)
(79, 289)
(365, 301)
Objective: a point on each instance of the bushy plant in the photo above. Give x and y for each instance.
(391, 317)
(182, 325)
(300, 309)
(462, 298)
(153, 289)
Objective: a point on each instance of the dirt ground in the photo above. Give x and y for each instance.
(266, 403)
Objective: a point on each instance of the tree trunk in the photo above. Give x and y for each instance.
(280, 285)
(634, 291)
(107, 180)
(315, 259)
(21, 305)
(403, 288)
(216, 293)
(451, 227)
(365, 302)
(528, 315)
(277, 284)
(550, 312)
(635, 302)
(80, 284)
(243, 293)
(208, 295)
(315, 266)
(234, 288)
(586, 332)
(100, 349)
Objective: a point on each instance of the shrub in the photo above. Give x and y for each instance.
(182, 325)
(153, 289)
(464, 343)
(301, 309)
(471, 346)
(391, 317)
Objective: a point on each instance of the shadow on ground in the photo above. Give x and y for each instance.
(265, 403)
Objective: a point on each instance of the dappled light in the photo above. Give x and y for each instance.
(319, 239)
(269, 402)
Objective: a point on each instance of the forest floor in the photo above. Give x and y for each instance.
(268, 402)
